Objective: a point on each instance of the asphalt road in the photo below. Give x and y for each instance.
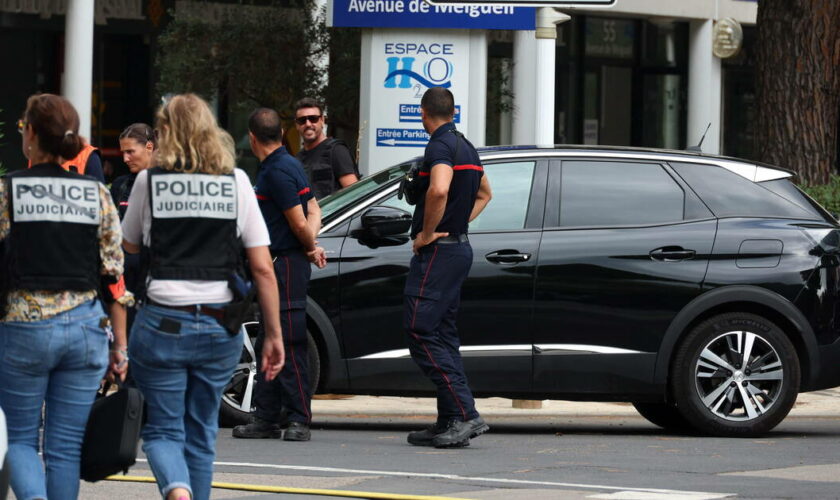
(613, 457)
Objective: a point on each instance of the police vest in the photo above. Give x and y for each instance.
(53, 242)
(193, 234)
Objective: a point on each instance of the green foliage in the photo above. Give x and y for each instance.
(250, 55)
(827, 195)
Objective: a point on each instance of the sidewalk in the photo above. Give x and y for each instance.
(824, 403)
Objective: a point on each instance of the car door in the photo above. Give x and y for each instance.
(496, 302)
(626, 246)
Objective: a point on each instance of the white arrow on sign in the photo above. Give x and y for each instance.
(394, 142)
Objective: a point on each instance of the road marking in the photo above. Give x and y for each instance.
(695, 495)
(304, 491)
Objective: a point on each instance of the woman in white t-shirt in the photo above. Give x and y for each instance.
(192, 215)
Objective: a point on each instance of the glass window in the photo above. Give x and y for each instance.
(348, 196)
(728, 194)
(600, 193)
(511, 186)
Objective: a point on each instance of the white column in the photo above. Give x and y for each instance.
(477, 100)
(704, 88)
(524, 87)
(77, 85)
(367, 140)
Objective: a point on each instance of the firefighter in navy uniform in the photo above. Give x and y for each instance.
(293, 219)
(457, 192)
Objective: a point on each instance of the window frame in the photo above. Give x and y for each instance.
(555, 176)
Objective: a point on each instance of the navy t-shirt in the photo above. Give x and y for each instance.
(281, 184)
(466, 177)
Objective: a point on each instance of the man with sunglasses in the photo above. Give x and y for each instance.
(327, 161)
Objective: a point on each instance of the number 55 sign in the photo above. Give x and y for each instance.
(532, 3)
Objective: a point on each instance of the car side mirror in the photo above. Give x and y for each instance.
(382, 222)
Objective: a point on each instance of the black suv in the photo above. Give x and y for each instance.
(702, 289)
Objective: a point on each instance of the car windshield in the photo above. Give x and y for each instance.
(348, 196)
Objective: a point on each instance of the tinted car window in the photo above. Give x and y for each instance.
(728, 194)
(598, 193)
(511, 186)
(790, 192)
(348, 196)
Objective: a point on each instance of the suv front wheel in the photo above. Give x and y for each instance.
(736, 374)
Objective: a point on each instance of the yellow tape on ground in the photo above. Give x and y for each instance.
(300, 491)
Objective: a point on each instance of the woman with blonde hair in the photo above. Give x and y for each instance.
(60, 251)
(191, 216)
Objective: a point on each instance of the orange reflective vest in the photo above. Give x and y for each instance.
(78, 163)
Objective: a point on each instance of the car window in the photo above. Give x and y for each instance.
(511, 187)
(728, 194)
(603, 193)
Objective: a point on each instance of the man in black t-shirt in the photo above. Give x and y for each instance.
(327, 161)
(457, 192)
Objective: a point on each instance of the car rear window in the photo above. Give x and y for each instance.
(728, 194)
(790, 192)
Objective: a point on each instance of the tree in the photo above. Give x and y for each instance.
(246, 56)
(798, 86)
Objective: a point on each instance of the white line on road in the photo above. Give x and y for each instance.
(694, 495)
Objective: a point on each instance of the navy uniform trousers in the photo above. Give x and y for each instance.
(432, 296)
(290, 389)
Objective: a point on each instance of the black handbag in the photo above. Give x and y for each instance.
(112, 433)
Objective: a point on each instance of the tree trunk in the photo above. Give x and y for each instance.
(798, 86)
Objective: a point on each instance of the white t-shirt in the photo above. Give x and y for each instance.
(137, 226)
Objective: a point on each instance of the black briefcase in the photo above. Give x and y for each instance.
(112, 433)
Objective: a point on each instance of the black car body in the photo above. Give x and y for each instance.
(702, 289)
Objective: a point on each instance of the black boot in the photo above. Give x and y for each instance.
(425, 437)
(258, 429)
(459, 433)
(297, 431)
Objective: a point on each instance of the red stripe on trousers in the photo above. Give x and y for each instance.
(423, 344)
(291, 345)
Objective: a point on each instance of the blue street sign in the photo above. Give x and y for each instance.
(420, 14)
(410, 113)
(401, 137)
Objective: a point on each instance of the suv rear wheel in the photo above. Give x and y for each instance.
(735, 374)
(238, 394)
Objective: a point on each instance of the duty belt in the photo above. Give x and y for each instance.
(218, 314)
(452, 239)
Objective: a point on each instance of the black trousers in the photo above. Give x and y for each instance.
(432, 297)
(290, 389)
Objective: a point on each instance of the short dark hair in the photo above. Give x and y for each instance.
(265, 124)
(309, 102)
(438, 102)
(141, 133)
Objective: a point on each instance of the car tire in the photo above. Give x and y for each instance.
(735, 375)
(664, 415)
(237, 395)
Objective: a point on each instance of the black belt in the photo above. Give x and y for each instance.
(218, 314)
(284, 253)
(452, 239)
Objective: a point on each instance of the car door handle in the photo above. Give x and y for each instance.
(672, 254)
(507, 257)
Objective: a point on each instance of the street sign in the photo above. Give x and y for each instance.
(532, 3)
(420, 14)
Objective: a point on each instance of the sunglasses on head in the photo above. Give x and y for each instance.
(21, 124)
(301, 120)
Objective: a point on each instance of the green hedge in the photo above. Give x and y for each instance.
(827, 195)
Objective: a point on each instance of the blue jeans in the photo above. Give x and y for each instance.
(181, 362)
(56, 362)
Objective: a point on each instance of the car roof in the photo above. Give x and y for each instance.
(752, 170)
